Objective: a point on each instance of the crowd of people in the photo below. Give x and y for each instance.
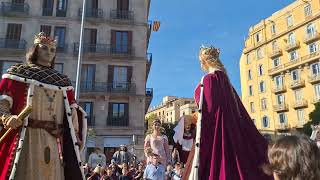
(125, 166)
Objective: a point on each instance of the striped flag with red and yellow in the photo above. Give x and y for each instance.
(156, 26)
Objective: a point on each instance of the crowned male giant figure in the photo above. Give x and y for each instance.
(46, 144)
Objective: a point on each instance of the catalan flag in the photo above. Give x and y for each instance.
(156, 26)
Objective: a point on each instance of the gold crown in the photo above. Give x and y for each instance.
(41, 38)
(210, 51)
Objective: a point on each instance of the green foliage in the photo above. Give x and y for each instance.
(314, 116)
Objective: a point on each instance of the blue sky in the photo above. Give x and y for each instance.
(185, 25)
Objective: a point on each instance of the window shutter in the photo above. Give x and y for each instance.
(129, 74)
(130, 41)
(113, 41)
(126, 113)
(110, 73)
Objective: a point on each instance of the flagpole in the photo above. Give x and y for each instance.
(77, 90)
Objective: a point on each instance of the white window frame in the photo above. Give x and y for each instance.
(280, 78)
(317, 69)
(280, 99)
(263, 103)
(284, 116)
(298, 95)
(273, 28)
(267, 120)
(259, 53)
(317, 90)
(249, 74)
(297, 75)
(308, 10)
(300, 115)
(252, 107)
(260, 70)
(250, 90)
(310, 30)
(292, 38)
(276, 59)
(248, 59)
(262, 86)
(313, 47)
(290, 21)
(293, 55)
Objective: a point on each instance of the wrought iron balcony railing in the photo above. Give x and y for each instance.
(314, 78)
(14, 8)
(149, 92)
(292, 45)
(61, 12)
(300, 104)
(47, 11)
(311, 37)
(122, 15)
(118, 121)
(297, 84)
(103, 87)
(91, 13)
(12, 44)
(275, 53)
(106, 49)
(280, 107)
(279, 89)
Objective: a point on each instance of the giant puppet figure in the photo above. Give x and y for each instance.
(227, 145)
(47, 143)
(184, 136)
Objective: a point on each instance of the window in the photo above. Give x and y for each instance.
(293, 55)
(273, 28)
(260, 70)
(276, 62)
(61, 8)
(90, 40)
(46, 29)
(47, 7)
(248, 59)
(263, 103)
(313, 48)
(307, 10)
(122, 5)
(282, 118)
(315, 69)
(259, 53)
(280, 99)
(59, 67)
(13, 36)
(118, 114)
(88, 108)
(292, 38)
(298, 95)
(265, 121)
(5, 65)
(249, 75)
(317, 90)
(274, 46)
(262, 87)
(290, 21)
(251, 107)
(250, 90)
(121, 41)
(300, 114)
(59, 34)
(295, 75)
(278, 81)
(258, 37)
(88, 76)
(311, 30)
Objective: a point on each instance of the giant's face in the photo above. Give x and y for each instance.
(46, 54)
(156, 126)
(318, 135)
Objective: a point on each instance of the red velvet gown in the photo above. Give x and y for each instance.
(231, 148)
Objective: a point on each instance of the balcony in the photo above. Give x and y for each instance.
(149, 95)
(315, 100)
(112, 121)
(12, 44)
(149, 92)
(14, 9)
(297, 84)
(61, 12)
(275, 53)
(314, 78)
(300, 104)
(282, 126)
(279, 89)
(47, 11)
(292, 46)
(280, 107)
(104, 49)
(311, 37)
(121, 16)
(103, 87)
(149, 63)
(62, 48)
(91, 13)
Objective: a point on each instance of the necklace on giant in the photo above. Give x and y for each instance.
(51, 100)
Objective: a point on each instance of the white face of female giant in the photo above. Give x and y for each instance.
(156, 126)
(45, 55)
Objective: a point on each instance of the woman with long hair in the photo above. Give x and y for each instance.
(157, 143)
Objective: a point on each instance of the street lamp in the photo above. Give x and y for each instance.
(77, 90)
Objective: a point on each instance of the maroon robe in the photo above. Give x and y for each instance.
(231, 148)
(8, 148)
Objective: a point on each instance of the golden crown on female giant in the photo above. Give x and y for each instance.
(210, 51)
(41, 38)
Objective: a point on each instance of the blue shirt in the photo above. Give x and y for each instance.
(154, 172)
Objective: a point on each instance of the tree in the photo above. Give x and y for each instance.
(148, 123)
(315, 119)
